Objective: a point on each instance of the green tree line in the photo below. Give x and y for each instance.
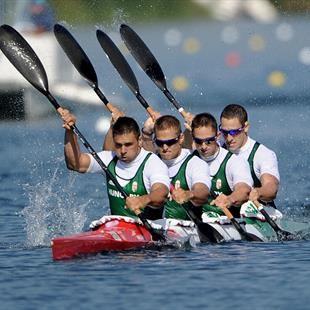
(106, 11)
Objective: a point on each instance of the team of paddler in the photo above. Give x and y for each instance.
(223, 169)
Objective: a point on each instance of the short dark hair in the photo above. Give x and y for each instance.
(125, 125)
(235, 111)
(167, 122)
(204, 120)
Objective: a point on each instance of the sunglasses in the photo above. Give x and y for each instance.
(232, 132)
(169, 142)
(206, 140)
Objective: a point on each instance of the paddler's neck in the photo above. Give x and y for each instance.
(213, 156)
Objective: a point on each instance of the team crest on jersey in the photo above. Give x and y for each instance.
(111, 183)
(218, 184)
(177, 184)
(134, 186)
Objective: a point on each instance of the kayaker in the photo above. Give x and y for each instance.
(142, 174)
(263, 161)
(231, 177)
(189, 175)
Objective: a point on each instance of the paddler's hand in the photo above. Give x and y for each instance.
(115, 113)
(154, 114)
(181, 196)
(188, 117)
(221, 201)
(68, 118)
(148, 127)
(254, 195)
(135, 204)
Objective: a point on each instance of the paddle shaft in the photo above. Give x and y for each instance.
(239, 228)
(102, 97)
(174, 102)
(282, 234)
(234, 221)
(272, 223)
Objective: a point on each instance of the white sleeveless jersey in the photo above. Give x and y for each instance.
(197, 171)
(264, 161)
(237, 169)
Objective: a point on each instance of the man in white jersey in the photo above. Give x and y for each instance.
(189, 175)
(143, 176)
(263, 161)
(231, 177)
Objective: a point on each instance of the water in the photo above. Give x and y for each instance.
(41, 199)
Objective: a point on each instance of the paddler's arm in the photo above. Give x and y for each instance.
(75, 159)
(268, 191)
(198, 178)
(188, 139)
(156, 198)
(198, 195)
(147, 132)
(236, 198)
(108, 143)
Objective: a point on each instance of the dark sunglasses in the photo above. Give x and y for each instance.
(169, 142)
(232, 132)
(206, 140)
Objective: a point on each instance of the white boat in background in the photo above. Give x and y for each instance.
(262, 11)
(20, 100)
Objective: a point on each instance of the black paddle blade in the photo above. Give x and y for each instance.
(244, 234)
(76, 55)
(23, 58)
(206, 232)
(284, 235)
(157, 234)
(143, 56)
(281, 234)
(118, 61)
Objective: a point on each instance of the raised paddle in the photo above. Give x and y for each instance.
(25, 60)
(282, 235)
(148, 63)
(80, 60)
(122, 67)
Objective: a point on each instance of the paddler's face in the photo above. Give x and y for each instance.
(205, 139)
(173, 146)
(127, 146)
(234, 133)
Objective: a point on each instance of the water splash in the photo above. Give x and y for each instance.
(53, 210)
(119, 16)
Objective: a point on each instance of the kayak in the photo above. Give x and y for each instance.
(120, 233)
(114, 233)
